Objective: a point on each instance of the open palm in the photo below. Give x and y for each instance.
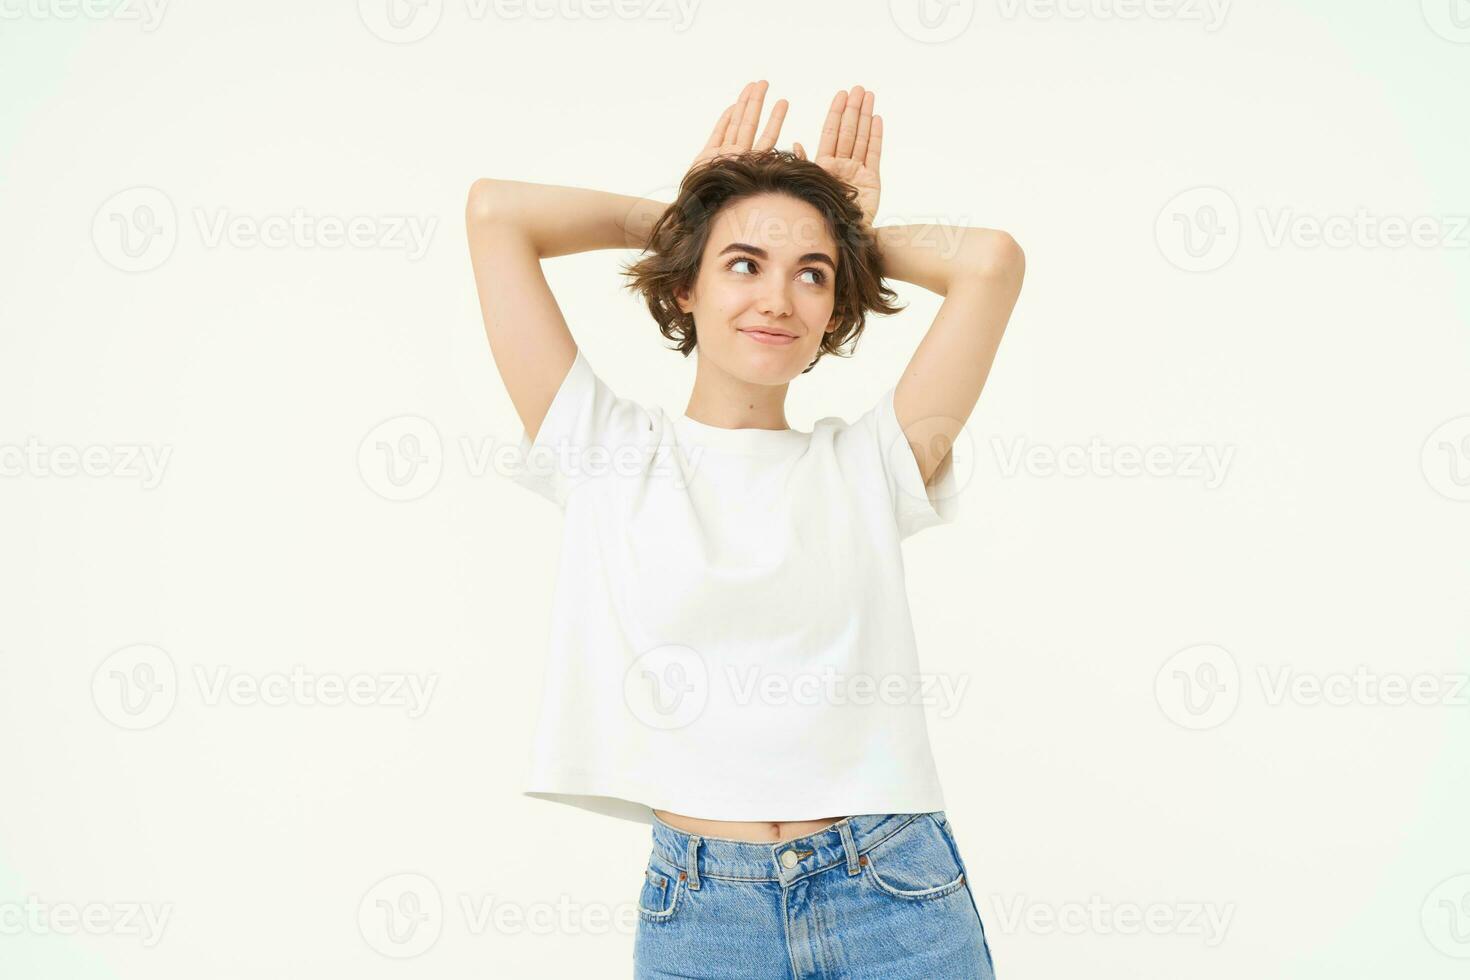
(852, 145)
(734, 133)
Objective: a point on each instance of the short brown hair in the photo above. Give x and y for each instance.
(671, 259)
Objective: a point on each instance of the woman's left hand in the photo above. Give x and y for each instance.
(851, 146)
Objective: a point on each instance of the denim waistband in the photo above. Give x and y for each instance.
(718, 857)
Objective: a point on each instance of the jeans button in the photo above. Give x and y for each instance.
(789, 859)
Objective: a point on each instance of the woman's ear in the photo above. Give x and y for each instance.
(681, 297)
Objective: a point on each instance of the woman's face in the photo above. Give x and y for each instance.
(766, 288)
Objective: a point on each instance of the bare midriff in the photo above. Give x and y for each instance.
(754, 831)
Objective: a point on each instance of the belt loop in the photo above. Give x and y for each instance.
(845, 829)
(693, 862)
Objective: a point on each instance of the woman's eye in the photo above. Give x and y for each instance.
(731, 265)
(821, 276)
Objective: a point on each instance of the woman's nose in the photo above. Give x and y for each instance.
(775, 303)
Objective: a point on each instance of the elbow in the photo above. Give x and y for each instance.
(484, 202)
(995, 255)
(992, 256)
(1009, 255)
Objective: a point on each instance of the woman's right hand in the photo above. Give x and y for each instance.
(735, 132)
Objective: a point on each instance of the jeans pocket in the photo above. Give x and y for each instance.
(662, 886)
(915, 864)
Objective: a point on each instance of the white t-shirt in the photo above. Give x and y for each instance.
(730, 634)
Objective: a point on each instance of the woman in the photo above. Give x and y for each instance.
(731, 648)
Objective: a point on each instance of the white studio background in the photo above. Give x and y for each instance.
(1207, 592)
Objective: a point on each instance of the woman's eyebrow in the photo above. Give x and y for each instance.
(761, 253)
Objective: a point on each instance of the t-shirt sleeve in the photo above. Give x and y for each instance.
(915, 505)
(589, 434)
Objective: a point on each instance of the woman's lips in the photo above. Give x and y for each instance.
(764, 337)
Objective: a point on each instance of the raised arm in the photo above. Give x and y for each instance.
(978, 271)
(511, 227)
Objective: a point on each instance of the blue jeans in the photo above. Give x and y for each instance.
(882, 896)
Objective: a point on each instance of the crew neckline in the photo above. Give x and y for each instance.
(752, 440)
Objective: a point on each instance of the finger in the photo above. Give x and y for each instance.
(718, 135)
(828, 143)
(732, 127)
(864, 127)
(732, 115)
(751, 116)
(732, 130)
(875, 145)
(773, 126)
(800, 153)
(847, 131)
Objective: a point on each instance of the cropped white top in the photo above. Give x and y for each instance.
(730, 636)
